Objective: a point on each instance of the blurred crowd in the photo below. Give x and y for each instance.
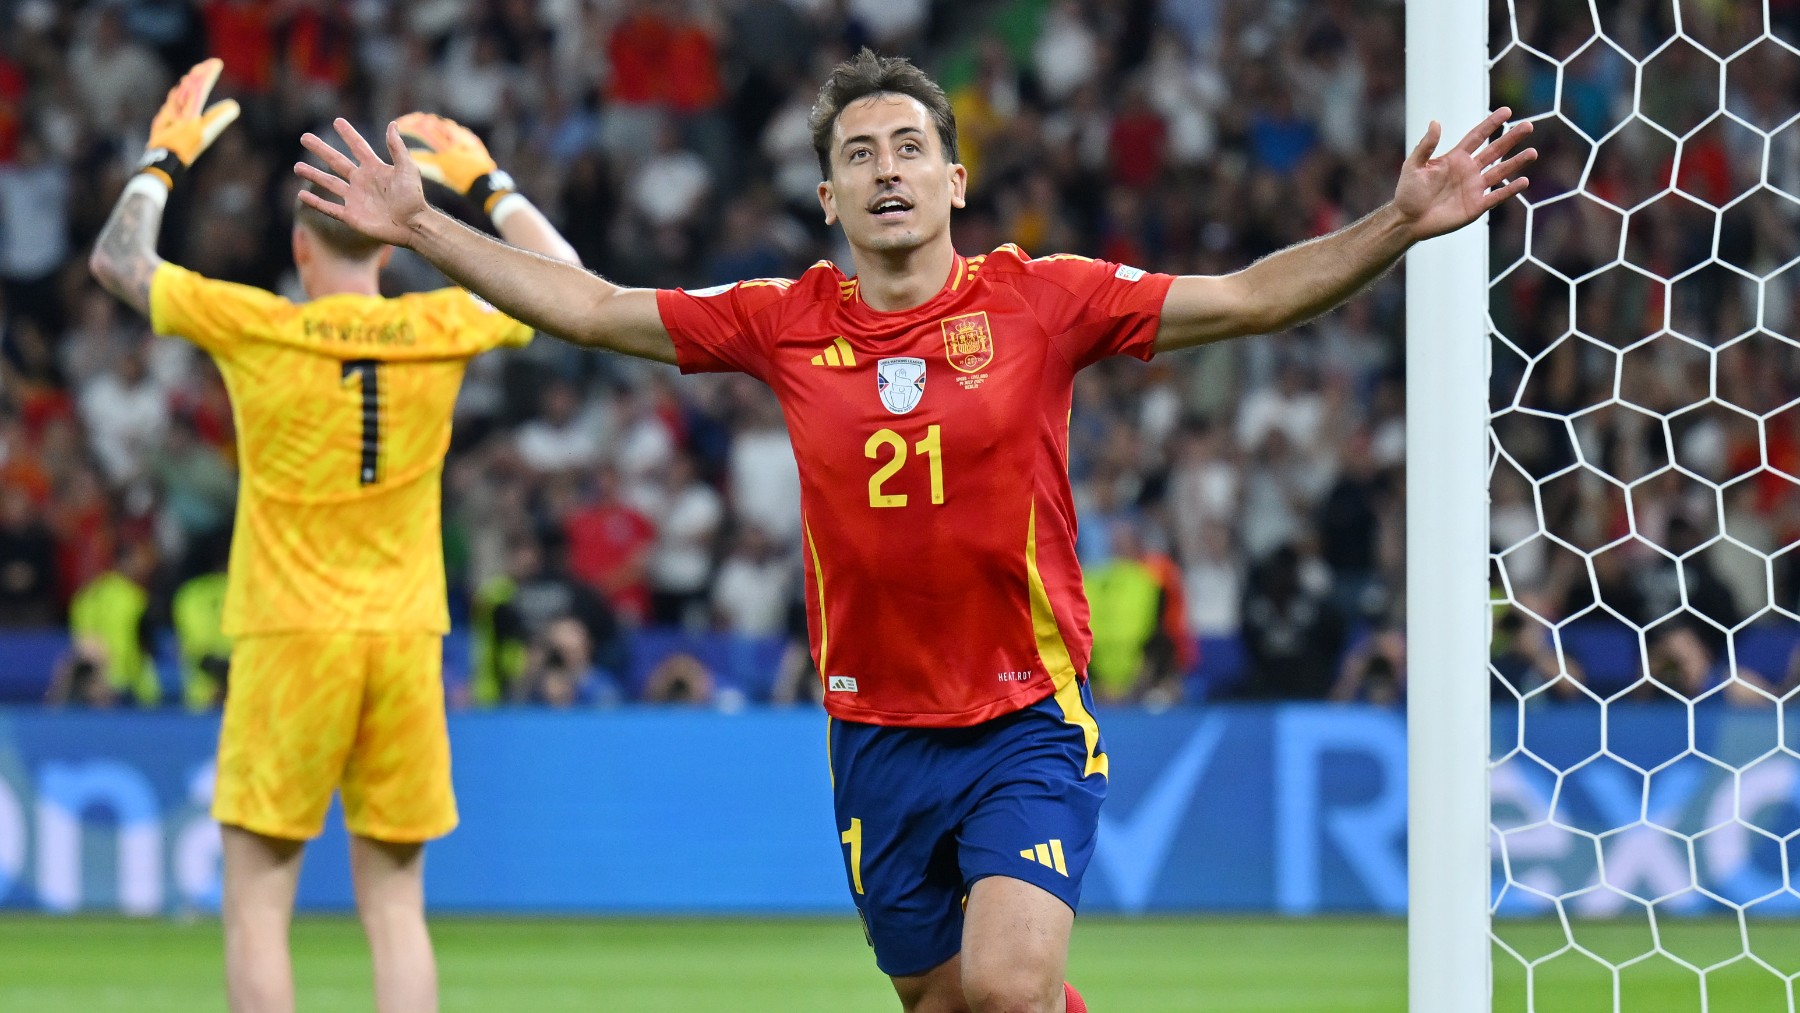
(1249, 493)
(1646, 423)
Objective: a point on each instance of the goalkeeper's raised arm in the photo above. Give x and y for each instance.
(124, 257)
(385, 200)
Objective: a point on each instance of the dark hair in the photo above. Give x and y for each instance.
(867, 74)
(339, 238)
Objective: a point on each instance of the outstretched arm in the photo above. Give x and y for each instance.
(447, 152)
(386, 201)
(1434, 196)
(124, 257)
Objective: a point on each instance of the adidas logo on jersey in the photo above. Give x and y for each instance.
(841, 684)
(837, 353)
(1049, 855)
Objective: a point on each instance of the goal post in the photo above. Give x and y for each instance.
(1447, 542)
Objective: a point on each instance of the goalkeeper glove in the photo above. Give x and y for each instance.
(449, 153)
(182, 129)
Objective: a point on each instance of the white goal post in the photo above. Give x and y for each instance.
(1632, 791)
(1446, 542)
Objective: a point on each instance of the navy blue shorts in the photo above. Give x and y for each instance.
(925, 812)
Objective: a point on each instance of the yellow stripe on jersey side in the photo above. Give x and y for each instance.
(1055, 653)
(819, 575)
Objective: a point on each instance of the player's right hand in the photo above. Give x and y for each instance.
(184, 127)
(445, 151)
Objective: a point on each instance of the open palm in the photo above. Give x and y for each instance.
(1443, 194)
(379, 199)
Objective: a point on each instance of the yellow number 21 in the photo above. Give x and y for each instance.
(931, 446)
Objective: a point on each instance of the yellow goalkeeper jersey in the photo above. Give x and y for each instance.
(343, 409)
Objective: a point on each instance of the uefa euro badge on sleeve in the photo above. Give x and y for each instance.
(901, 383)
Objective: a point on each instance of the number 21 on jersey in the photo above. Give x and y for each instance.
(888, 442)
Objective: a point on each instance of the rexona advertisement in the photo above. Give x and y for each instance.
(1297, 809)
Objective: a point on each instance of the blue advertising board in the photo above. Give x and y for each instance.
(1297, 809)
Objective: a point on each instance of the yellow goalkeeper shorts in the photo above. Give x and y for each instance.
(307, 713)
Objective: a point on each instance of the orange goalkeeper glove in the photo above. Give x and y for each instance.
(449, 153)
(183, 128)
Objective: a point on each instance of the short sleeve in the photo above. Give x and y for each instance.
(473, 324)
(212, 314)
(724, 329)
(1094, 309)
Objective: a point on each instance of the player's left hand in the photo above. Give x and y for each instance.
(185, 127)
(1442, 194)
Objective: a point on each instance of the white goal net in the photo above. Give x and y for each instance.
(1645, 508)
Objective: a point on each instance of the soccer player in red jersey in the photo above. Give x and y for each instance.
(928, 403)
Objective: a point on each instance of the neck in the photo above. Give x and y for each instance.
(892, 280)
(340, 279)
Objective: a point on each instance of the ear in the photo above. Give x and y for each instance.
(959, 185)
(828, 202)
(381, 259)
(302, 247)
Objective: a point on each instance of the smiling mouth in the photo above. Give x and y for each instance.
(890, 208)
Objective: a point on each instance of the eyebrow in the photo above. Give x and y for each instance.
(869, 138)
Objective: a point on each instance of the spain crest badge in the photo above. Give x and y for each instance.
(968, 341)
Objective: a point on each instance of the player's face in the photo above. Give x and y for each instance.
(891, 185)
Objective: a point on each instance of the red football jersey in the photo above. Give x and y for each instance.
(939, 528)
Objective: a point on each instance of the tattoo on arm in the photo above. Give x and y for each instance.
(125, 254)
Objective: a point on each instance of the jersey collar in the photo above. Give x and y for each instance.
(958, 278)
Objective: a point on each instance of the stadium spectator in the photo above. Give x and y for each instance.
(680, 678)
(513, 615)
(1349, 532)
(1291, 633)
(1374, 669)
(1138, 615)
(198, 486)
(689, 514)
(126, 413)
(1523, 659)
(110, 630)
(119, 79)
(560, 671)
(751, 593)
(1684, 665)
(565, 436)
(197, 612)
(34, 244)
(27, 561)
(1214, 588)
(764, 482)
(609, 543)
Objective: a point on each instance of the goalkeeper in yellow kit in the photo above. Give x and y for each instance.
(336, 592)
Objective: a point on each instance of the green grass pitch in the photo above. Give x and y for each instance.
(678, 965)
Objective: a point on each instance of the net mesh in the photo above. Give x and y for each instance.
(1645, 443)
